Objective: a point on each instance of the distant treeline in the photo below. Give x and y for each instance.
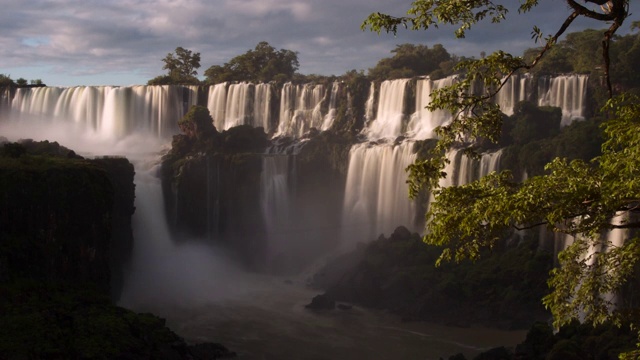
(579, 52)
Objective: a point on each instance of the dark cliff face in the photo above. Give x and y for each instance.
(120, 173)
(55, 220)
(211, 187)
(64, 222)
(212, 191)
(65, 218)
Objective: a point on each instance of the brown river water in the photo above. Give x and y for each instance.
(271, 322)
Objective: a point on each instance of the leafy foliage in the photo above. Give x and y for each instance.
(411, 60)
(5, 80)
(576, 197)
(262, 64)
(60, 320)
(197, 123)
(182, 67)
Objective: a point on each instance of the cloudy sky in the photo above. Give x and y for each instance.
(122, 42)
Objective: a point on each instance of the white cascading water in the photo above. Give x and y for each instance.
(108, 111)
(300, 109)
(240, 104)
(330, 117)
(567, 92)
(423, 122)
(262, 107)
(612, 239)
(369, 106)
(217, 104)
(376, 194)
(489, 162)
(238, 110)
(452, 168)
(517, 88)
(463, 169)
(276, 191)
(390, 114)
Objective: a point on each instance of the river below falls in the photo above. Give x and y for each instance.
(270, 321)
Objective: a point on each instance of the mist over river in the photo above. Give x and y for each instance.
(269, 321)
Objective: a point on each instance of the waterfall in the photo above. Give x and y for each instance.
(489, 162)
(238, 110)
(376, 194)
(516, 89)
(567, 92)
(276, 191)
(105, 110)
(217, 104)
(451, 168)
(240, 104)
(262, 107)
(331, 114)
(390, 115)
(465, 166)
(369, 111)
(468, 169)
(300, 109)
(423, 122)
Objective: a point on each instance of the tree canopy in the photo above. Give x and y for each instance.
(411, 60)
(182, 67)
(582, 198)
(262, 64)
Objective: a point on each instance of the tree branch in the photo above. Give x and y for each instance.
(527, 227)
(590, 13)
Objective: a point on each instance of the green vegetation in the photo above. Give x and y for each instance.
(5, 80)
(500, 290)
(413, 60)
(197, 123)
(574, 197)
(57, 320)
(262, 64)
(573, 342)
(182, 67)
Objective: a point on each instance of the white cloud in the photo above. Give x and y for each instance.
(300, 10)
